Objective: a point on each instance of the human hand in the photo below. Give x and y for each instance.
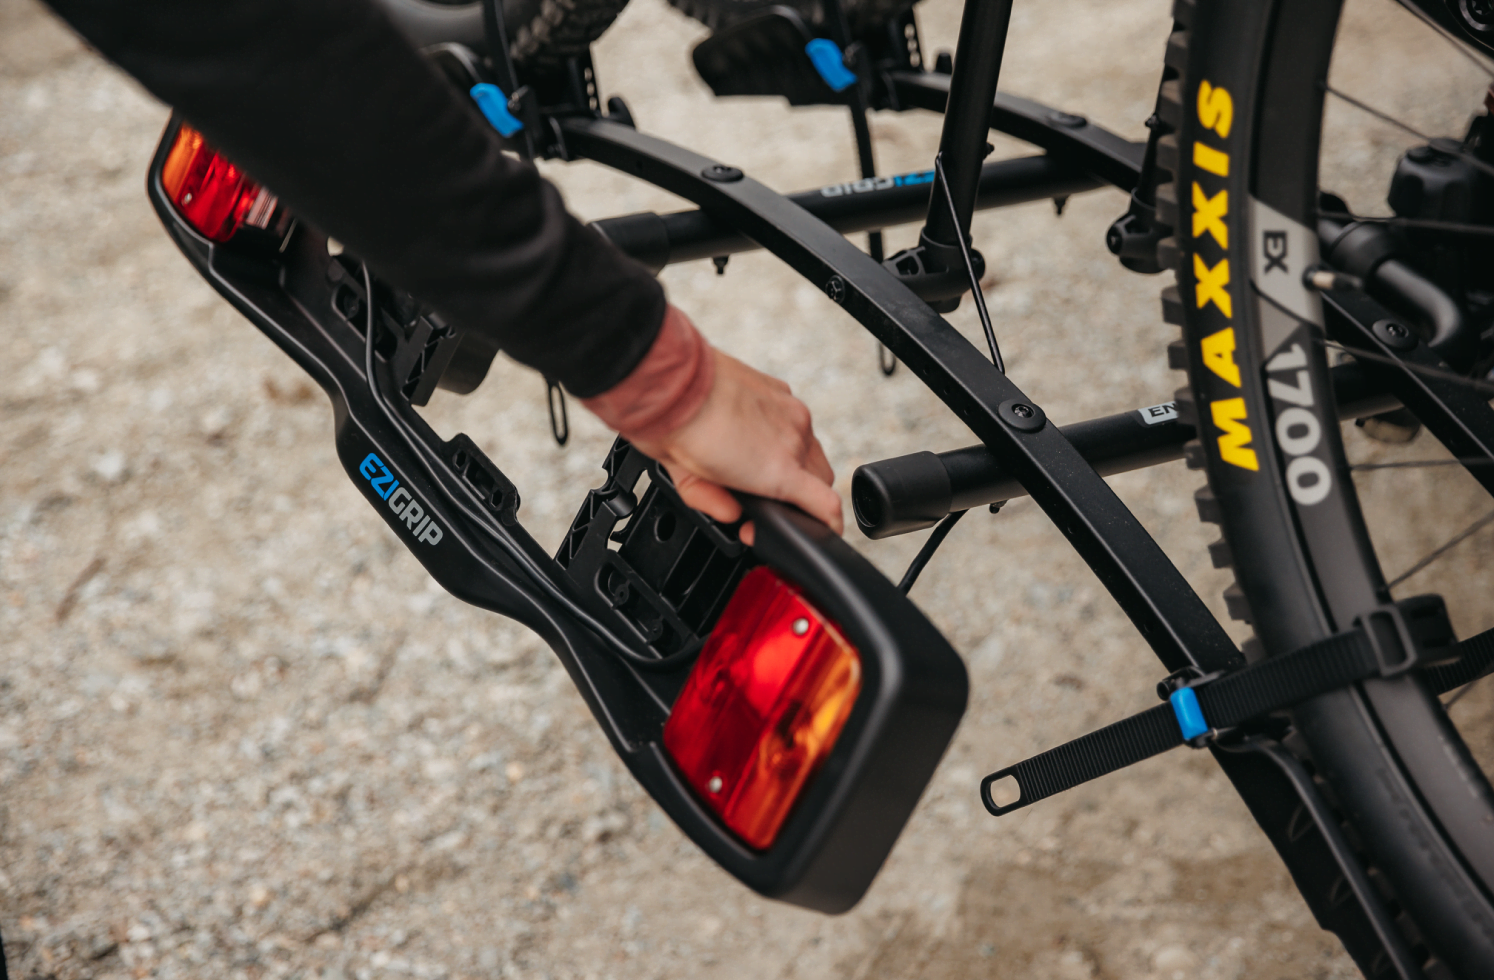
(751, 434)
(718, 425)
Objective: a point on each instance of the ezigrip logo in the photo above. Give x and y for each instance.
(401, 501)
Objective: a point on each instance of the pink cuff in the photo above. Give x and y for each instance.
(667, 387)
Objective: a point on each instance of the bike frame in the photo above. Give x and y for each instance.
(485, 556)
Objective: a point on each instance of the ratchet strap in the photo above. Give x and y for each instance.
(1413, 634)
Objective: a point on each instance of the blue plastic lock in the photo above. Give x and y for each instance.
(830, 62)
(494, 104)
(1190, 716)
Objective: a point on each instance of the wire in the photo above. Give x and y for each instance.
(927, 551)
(1386, 117)
(1484, 387)
(610, 640)
(1446, 227)
(980, 298)
(1452, 542)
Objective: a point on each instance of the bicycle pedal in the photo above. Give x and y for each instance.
(764, 55)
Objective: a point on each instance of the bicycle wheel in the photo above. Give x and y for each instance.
(540, 31)
(1246, 116)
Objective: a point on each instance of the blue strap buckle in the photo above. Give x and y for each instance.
(1190, 716)
(830, 62)
(494, 105)
(1178, 691)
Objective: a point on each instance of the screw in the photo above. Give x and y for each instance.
(836, 289)
(1022, 411)
(714, 785)
(1396, 336)
(801, 626)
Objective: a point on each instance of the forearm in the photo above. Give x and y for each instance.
(325, 103)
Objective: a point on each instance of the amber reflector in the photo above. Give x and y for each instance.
(763, 707)
(212, 195)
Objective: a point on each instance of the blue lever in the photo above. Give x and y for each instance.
(494, 104)
(1190, 715)
(828, 60)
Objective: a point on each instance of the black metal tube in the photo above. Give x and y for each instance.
(864, 205)
(909, 493)
(972, 88)
(1369, 250)
(1402, 286)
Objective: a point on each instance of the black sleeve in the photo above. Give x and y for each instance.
(325, 103)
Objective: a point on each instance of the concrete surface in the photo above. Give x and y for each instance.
(241, 734)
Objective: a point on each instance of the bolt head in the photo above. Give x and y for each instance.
(1022, 411)
(800, 626)
(714, 785)
(1396, 336)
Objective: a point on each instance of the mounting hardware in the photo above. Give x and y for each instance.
(1022, 416)
(1394, 334)
(835, 288)
(721, 173)
(719, 261)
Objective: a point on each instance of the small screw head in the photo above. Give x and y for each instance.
(714, 785)
(1396, 336)
(1022, 416)
(800, 626)
(836, 289)
(721, 173)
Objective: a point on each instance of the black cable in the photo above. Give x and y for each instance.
(980, 299)
(927, 551)
(610, 640)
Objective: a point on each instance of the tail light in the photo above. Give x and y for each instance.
(212, 194)
(763, 706)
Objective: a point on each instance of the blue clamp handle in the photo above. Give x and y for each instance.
(1190, 716)
(830, 62)
(494, 104)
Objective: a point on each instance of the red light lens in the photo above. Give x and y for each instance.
(212, 195)
(763, 706)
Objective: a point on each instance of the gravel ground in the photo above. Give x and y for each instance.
(243, 735)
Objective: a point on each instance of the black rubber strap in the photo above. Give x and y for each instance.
(1475, 660)
(1094, 755)
(1226, 702)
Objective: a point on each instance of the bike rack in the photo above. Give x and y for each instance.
(830, 849)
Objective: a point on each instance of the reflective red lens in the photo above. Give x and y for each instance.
(212, 195)
(763, 707)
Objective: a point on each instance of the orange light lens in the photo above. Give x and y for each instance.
(212, 195)
(763, 707)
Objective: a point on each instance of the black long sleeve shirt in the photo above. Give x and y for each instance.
(324, 102)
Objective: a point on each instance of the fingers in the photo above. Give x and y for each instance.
(816, 462)
(817, 499)
(806, 492)
(708, 498)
